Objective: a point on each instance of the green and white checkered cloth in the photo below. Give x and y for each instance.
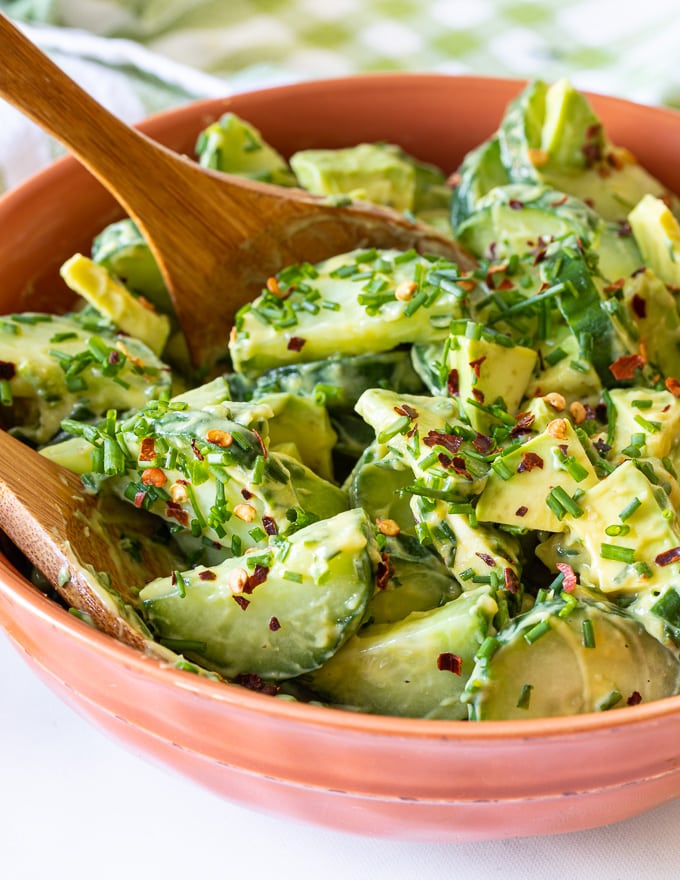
(138, 56)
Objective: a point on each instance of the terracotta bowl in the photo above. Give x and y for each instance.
(391, 777)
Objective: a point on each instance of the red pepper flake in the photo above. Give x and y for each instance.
(175, 511)
(476, 364)
(522, 511)
(453, 383)
(614, 286)
(483, 444)
(523, 423)
(274, 624)
(569, 581)
(147, 449)
(452, 442)
(639, 304)
(516, 204)
(511, 580)
(247, 494)
(114, 357)
(460, 467)
(624, 230)
(295, 343)
(559, 202)
(625, 366)
(489, 560)
(406, 410)
(634, 699)
(592, 148)
(241, 601)
(261, 442)
(139, 499)
(448, 662)
(384, 571)
(506, 284)
(259, 576)
(672, 385)
(269, 525)
(530, 460)
(254, 682)
(668, 556)
(194, 448)
(478, 395)
(7, 370)
(207, 575)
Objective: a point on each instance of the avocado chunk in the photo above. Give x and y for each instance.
(351, 304)
(566, 657)
(376, 483)
(416, 667)
(657, 232)
(235, 146)
(278, 613)
(371, 172)
(647, 423)
(487, 373)
(520, 490)
(653, 309)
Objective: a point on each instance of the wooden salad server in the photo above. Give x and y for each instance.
(60, 528)
(216, 237)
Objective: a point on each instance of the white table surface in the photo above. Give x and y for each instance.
(74, 804)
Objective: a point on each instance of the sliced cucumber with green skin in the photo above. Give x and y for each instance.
(481, 170)
(355, 303)
(277, 613)
(375, 484)
(418, 581)
(567, 657)
(416, 667)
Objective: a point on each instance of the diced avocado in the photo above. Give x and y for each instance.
(646, 419)
(415, 579)
(338, 382)
(416, 667)
(566, 372)
(654, 310)
(488, 373)
(376, 173)
(571, 132)
(375, 484)
(623, 543)
(657, 233)
(481, 170)
(471, 552)
(235, 146)
(132, 315)
(351, 304)
(516, 218)
(617, 252)
(278, 613)
(568, 657)
(521, 484)
(56, 368)
(123, 250)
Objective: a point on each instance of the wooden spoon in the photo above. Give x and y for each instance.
(61, 530)
(216, 237)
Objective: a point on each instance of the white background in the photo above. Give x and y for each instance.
(76, 805)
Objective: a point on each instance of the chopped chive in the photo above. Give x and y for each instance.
(502, 469)
(610, 701)
(487, 649)
(524, 696)
(648, 425)
(617, 530)
(180, 583)
(294, 576)
(6, 396)
(579, 367)
(611, 416)
(535, 633)
(555, 356)
(642, 404)
(617, 553)
(399, 426)
(562, 497)
(588, 633)
(466, 575)
(629, 509)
